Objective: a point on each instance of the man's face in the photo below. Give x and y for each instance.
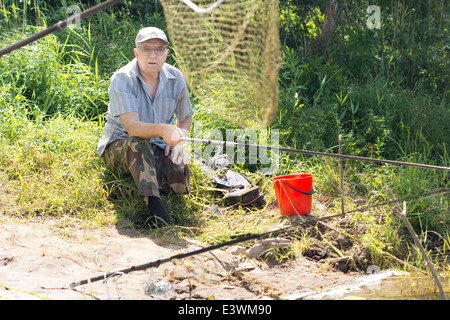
(151, 55)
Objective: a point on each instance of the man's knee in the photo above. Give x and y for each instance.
(180, 188)
(141, 145)
(178, 179)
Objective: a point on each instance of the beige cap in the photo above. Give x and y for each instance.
(150, 33)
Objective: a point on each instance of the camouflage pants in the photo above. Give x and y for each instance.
(150, 168)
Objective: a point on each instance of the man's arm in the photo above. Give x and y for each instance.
(185, 125)
(170, 133)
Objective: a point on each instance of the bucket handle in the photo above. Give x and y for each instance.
(307, 193)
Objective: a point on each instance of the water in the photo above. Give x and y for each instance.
(390, 285)
(404, 287)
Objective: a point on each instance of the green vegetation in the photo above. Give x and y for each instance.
(385, 91)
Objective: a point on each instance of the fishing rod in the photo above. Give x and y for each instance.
(313, 153)
(157, 263)
(239, 239)
(59, 25)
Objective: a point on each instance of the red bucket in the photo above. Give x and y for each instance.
(294, 194)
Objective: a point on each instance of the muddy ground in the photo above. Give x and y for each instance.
(40, 259)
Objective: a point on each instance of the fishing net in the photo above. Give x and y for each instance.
(230, 56)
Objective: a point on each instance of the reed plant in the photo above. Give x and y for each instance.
(50, 84)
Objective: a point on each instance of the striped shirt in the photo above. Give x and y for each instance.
(128, 93)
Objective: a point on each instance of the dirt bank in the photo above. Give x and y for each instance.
(40, 259)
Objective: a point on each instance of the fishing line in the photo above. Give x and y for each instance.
(313, 153)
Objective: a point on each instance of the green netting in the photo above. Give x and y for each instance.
(230, 56)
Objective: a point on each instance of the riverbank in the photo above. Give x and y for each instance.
(40, 259)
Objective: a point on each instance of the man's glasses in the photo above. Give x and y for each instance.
(157, 51)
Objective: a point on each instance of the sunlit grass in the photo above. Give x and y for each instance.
(51, 168)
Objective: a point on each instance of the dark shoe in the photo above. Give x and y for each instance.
(141, 220)
(149, 221)
(156, 217)
(157, 209)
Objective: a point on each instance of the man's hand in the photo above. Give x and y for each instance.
(175, 150)
(177, 154)
(172, 134)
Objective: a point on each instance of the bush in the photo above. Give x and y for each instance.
(377, 118)
(51, 86)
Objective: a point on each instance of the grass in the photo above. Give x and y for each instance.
(51, 167)
(57, 82)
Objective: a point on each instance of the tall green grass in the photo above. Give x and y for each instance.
(51, 168)
(52, 79)
(378, 118)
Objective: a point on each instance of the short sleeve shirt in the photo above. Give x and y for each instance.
(128, 93)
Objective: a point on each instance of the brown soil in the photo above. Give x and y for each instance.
(40, 259)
